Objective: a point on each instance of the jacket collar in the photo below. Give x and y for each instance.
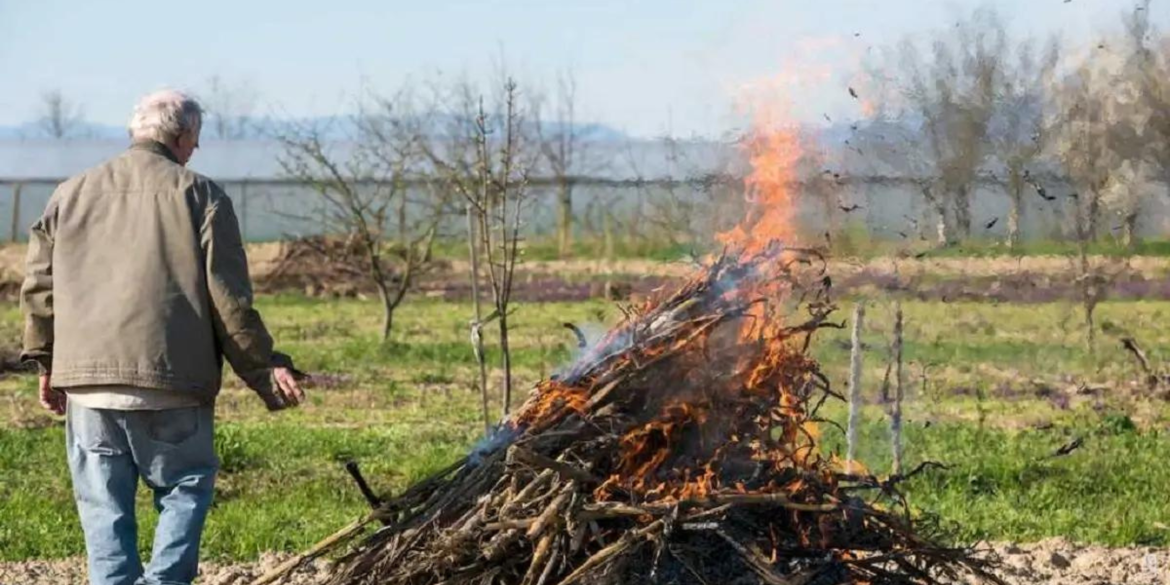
(155, 147)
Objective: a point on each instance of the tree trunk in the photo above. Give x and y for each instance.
(962, 204)
(1129, 235)
(565, 218)
(1093, 214)
(945, 235)
(507, 363)
(635, 224)
(387, 311)
(1087, 286)
(1016, 211)
(403, 231)
(1129, 224)
(943, 229)
(608, 237)
(1090, 329)
(476, 328)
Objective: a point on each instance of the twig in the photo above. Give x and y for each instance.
(325, 545)
(581, 341)
(522, 455)
(754, 561)
(626, 541)
(1131, 345)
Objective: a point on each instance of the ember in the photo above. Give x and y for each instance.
(681, 448)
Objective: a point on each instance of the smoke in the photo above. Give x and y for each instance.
(498, 438)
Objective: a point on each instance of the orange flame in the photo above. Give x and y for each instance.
(773, 149)
(736, 418)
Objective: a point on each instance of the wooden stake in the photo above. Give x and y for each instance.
(854, 388)
(899, 390)
(477, 324)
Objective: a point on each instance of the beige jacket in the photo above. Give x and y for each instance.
(136, 276)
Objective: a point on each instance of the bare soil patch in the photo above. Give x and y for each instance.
(72, 572)
(278, 268)
(1049, 562)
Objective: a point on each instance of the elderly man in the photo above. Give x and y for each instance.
(136, 288)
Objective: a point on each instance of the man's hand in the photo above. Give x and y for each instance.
(51, 398)
(287, 387)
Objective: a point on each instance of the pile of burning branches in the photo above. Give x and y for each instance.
(681, 448)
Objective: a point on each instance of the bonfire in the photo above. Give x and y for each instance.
(681, 447)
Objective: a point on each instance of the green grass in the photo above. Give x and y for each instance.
(406, 408)
(1006, 485)
(281, 484)
(547, 248)
(1106, 247)
(852, 242)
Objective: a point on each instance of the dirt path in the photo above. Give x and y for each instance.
(1026, 280)
(72, 572)
(1049, 562)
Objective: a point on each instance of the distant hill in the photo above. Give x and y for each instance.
(332, 128)
(86, 130)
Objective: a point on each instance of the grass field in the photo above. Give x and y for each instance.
(994, 392)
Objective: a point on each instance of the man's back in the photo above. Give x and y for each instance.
(130, 288)
(136, 285)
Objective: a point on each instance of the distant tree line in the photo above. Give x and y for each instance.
(1087, 124)
(952, 115)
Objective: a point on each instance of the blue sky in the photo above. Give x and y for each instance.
(645, 67)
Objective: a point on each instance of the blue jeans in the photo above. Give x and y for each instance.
(173, 452)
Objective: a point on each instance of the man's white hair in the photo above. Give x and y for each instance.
(165, 115)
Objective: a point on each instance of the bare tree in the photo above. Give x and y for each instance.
(821, 186)
(452, 153)
(681, 205)
(952, 98)
(1097, 117)
(1156, 82)
(886, 145)
(1084, 146)
(563, 147)
(486, 157)
(228, 109)
(60, 117)
(364, 185)
(1018, 128)
(1142, 97)
(501, 206)
(1097, 141)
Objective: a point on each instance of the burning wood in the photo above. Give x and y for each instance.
(681, 448)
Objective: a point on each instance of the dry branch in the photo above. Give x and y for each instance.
(680, 448)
